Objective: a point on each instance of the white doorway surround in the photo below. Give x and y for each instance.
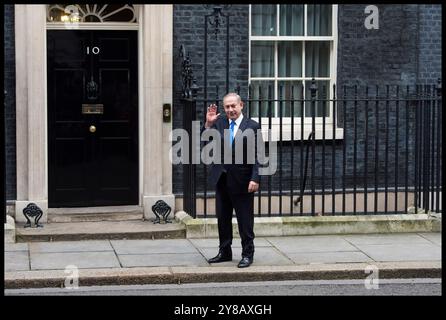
(155, 54)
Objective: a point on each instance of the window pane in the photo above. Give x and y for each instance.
(322, 95)
(261, 90)
(263, 20)
(292, 20)
(262, 59)
(317, 59)
(291, 91)
(290, 59)
(319, 20)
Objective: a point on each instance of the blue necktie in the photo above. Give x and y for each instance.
(231, 137)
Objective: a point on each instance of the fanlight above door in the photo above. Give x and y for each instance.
(92, 13)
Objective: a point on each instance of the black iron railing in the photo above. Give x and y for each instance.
(3, 157)
(340, 150)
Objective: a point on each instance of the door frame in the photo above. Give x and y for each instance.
(136, 178)
(155, 38)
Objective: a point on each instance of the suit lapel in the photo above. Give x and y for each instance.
(224, 125)
(242, 127)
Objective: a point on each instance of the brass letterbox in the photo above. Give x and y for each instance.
(88, 108)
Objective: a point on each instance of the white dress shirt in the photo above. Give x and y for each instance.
(237, 123)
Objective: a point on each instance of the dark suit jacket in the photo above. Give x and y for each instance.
(238, 175)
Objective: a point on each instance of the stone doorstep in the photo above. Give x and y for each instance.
(94, 217)
(170, 275)
(112, 230)
(291, 226)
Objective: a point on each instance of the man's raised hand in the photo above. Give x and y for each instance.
(211, 116)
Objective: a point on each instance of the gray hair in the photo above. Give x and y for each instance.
(233, 94)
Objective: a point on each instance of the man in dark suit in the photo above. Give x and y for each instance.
(237, 181)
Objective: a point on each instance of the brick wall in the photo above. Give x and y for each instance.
(189, 30)
(429, 61)
(377, 56)
(391, 55)
(406, 49)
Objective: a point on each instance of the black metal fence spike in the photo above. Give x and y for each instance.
(313, 88)
(189, 87)
(194, 89)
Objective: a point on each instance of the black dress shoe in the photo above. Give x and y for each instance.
(245, 262)
(221, 257)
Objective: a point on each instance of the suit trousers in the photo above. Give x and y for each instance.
(243, 204)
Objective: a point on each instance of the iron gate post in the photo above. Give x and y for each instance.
(3, 157)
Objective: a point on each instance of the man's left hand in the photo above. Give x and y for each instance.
(253, 186)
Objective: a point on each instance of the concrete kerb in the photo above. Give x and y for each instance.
(89, 277)
(308, 272)
(318, 225)
(171, 275)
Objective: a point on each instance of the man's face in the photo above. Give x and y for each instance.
(233, 108)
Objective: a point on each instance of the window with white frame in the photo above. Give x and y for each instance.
(289, 46)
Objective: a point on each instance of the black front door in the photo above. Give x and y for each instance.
(92, 118)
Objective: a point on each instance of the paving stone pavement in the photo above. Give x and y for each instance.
(269, 251)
